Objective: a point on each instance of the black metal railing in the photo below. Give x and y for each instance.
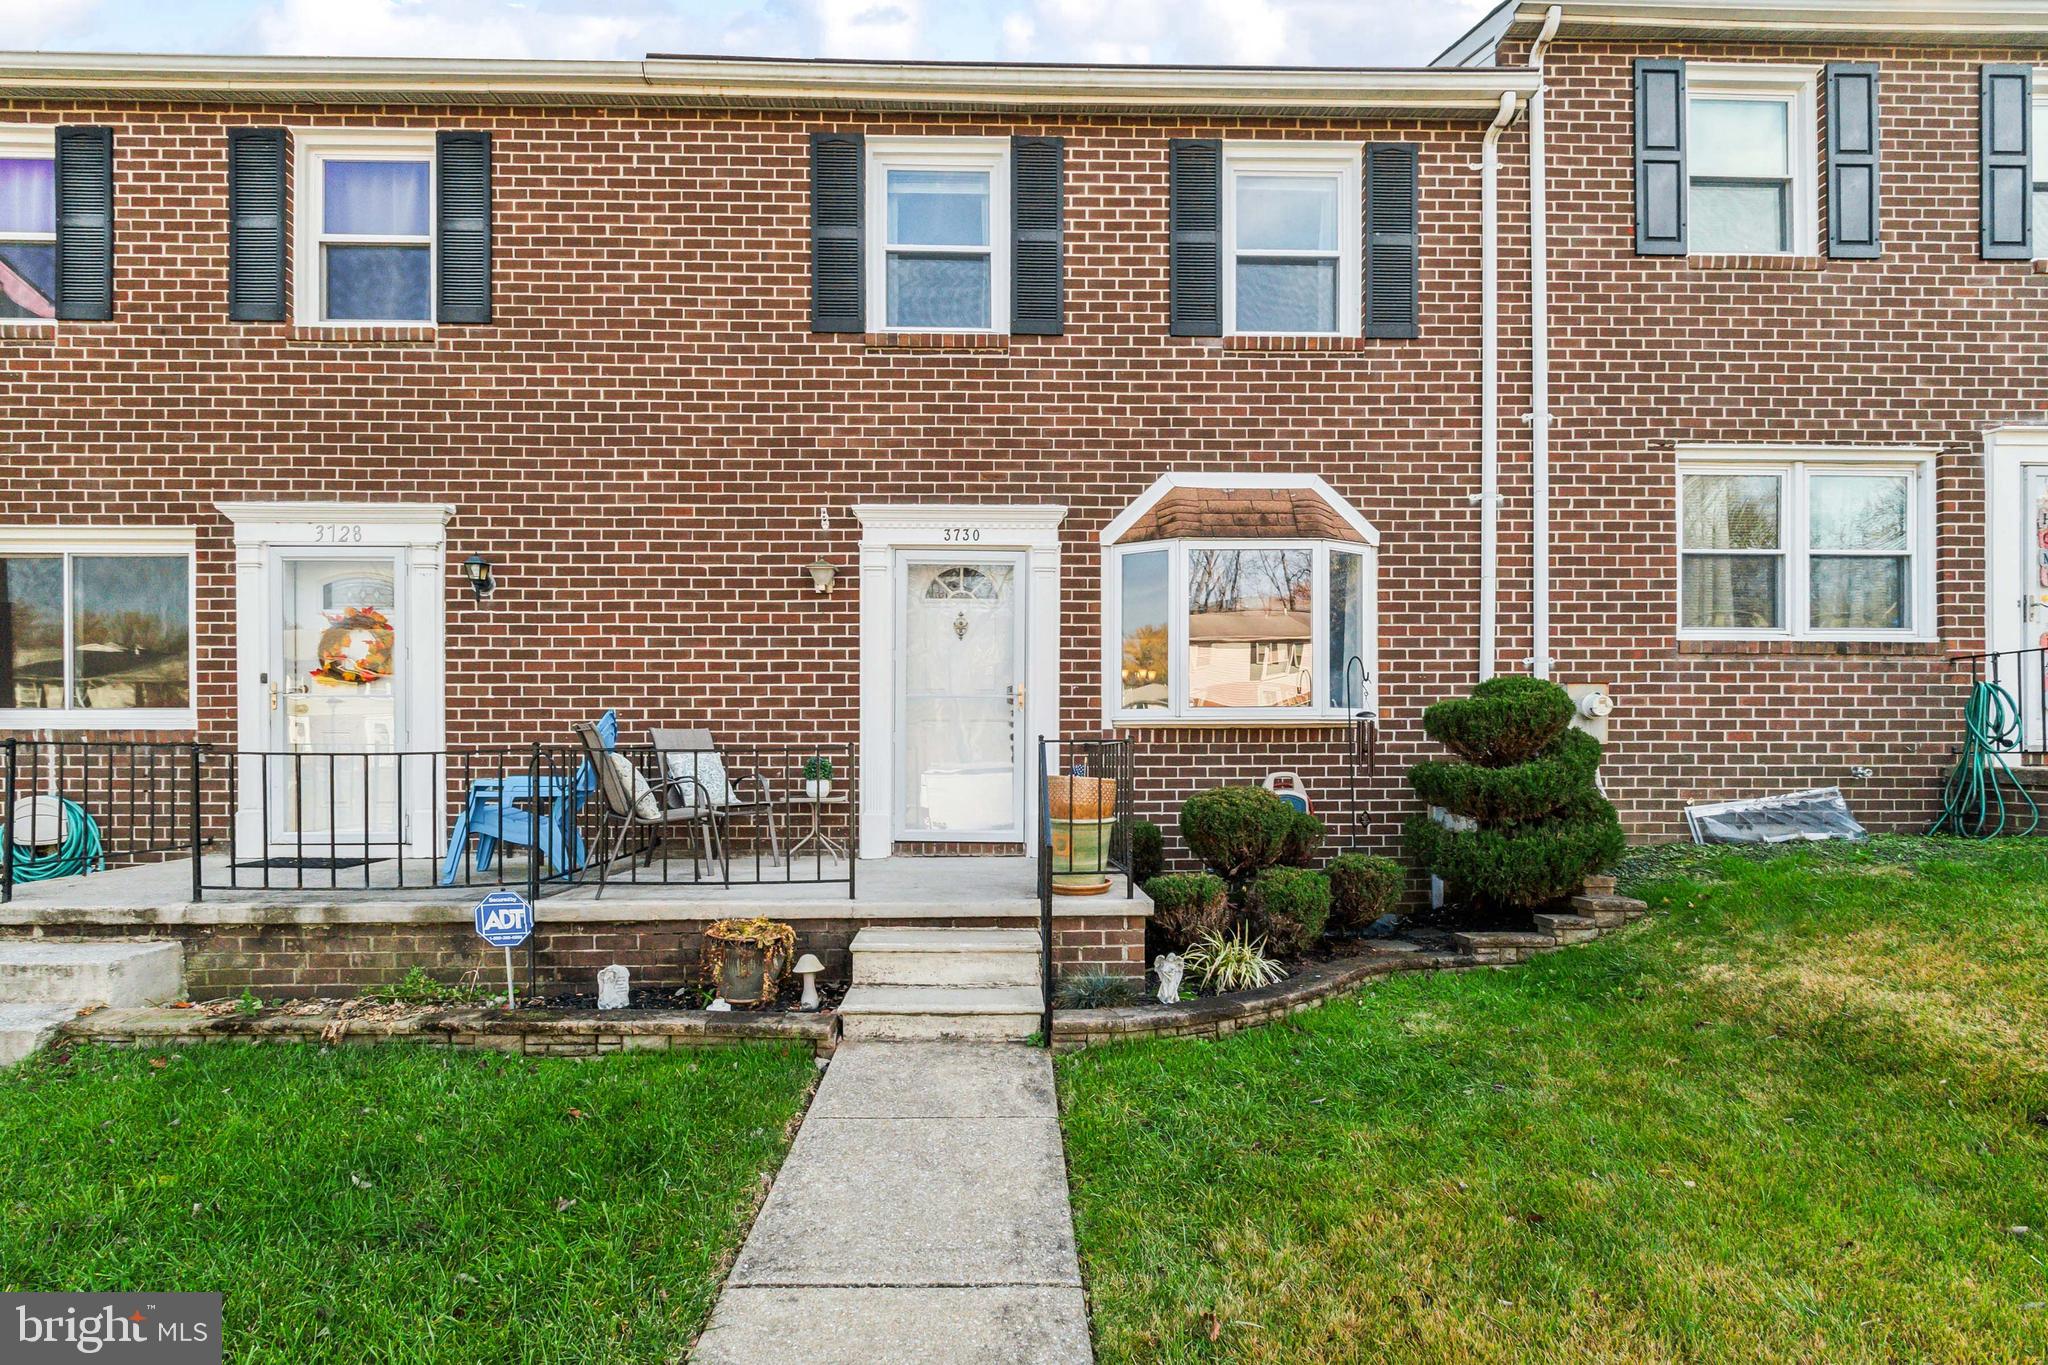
(535, 816)
(1086, 796)
(2017, 722)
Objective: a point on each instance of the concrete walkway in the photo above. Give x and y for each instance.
(921, 1218)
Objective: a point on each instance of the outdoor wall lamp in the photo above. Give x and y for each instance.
(823, 575)
(477, 570)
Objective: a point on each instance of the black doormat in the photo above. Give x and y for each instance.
(312, 864)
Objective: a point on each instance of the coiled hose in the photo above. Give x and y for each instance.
(1973, 801)
(78, 851)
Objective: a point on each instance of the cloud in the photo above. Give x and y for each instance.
(33, 23)
(1235, 32)
(469, 28)
(879, 29)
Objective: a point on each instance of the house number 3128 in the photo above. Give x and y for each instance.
(337, 533)
(962, 533)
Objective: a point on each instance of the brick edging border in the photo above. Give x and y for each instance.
(1219, 1015)
(582, 1034)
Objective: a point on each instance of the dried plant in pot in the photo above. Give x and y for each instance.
(744, 959)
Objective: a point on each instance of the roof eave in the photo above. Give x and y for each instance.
(2003, 23)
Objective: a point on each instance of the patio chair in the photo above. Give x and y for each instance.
(636, 804)
(696, 767)
(508, 808)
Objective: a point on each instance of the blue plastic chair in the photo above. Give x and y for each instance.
(493, 815)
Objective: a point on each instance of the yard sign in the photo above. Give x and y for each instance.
(505, 920)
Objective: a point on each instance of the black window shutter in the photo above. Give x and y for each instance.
(256, 243)
(1393, 261)
(1852, 160)
(1037, 223)
(1660, 157)
(1194, 224)
(85, 224)
(2005, 135)
(462, 230)
(837, 178)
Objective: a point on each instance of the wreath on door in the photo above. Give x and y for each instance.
(355, 647)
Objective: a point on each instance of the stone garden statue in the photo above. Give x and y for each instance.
(1168, 967)
(612, 989)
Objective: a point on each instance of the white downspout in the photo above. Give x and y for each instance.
(1489, 385)
(1539, 361)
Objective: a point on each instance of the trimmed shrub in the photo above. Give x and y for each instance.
(1148, 851)
(1304, 841)
(1509, 719)
(1187, 905)
(1291, 906)
(1524, 791)
(1235, 831)
(1533, 820)
(1362, 889)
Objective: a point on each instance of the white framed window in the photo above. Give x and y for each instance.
(1805, 543)
(1292, 229)
(1752, 159)
(938, 234)
(364, 224)
(98, 626)
(28, 224)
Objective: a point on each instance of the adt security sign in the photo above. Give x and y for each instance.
(504, 919)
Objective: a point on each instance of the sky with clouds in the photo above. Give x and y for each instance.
(1246, 32)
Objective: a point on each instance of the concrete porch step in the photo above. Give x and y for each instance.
(24, 1028)
(872, 1013)
(80, 972)
(945, 957)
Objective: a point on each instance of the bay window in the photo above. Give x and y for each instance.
(95, 630)
(1813, 545)
(1228, 630)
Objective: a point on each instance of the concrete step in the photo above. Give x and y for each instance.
(80, 972)
(871, 1013)
(24, 1028)
(946, 957)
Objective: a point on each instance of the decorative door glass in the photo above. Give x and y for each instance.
(960, 698)
(339, 688)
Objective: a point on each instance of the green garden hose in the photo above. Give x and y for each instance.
(78, 851)
(1973, 802)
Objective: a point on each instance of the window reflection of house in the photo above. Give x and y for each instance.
(1258, 657)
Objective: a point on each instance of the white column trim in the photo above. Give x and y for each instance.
(887, 528)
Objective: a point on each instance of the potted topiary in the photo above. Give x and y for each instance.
(818, 777)
(744, 959)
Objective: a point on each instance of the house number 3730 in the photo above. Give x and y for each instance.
(962, 534)
(337, 533)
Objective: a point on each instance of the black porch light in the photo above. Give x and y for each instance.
(477, 570)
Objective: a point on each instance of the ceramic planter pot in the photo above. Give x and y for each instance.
(744, 960)
(818, 787)
(1083, 818)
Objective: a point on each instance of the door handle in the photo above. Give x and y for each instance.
(273, 696)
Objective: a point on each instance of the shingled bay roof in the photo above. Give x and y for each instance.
(1241, 514)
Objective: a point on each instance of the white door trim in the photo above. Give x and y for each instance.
(2008, 453)
(420, 529)
(949, 528)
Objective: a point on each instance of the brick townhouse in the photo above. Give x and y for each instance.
(1691, 353)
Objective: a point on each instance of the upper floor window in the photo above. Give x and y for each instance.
(1291, 233)
(941, 262)
(28, 223)
(99, 628)
(1804, 544)
(1752, 159)
(366, 227)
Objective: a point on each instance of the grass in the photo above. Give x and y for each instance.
(1800, 1114)
(398, 1203)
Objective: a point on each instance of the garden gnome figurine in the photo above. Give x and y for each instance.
(1168, 967)
(613, 992)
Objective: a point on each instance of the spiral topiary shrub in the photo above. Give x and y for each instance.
(1187, 905)
(1236, 831)
(1531, 822)
(1362, 889)
(1291, 906)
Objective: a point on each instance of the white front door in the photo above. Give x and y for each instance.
(338, 659)
(960, 692)
(2032, 606)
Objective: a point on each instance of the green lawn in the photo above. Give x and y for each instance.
(396, 1203)
(1799, 1114)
